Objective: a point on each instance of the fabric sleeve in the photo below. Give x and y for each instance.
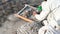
(44, 13)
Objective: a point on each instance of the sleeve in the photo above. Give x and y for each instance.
(44, 13)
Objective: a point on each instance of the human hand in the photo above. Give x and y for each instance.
(34, 13)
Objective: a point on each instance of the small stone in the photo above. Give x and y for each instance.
(29, 28)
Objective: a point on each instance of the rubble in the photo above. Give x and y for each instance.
(29, 28)
(7, 9)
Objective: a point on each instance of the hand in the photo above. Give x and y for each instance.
(34, 13)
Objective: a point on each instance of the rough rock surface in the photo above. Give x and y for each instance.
(29, 28)
(10, 26)
(8, 7)
(9, 23)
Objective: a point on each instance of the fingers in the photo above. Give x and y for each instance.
(34, 13)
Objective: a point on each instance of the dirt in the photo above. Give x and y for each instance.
(10, 26)
(8, 22)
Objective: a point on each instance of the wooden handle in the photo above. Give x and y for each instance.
(25, 19)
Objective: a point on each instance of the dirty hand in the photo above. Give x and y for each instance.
(34, 13)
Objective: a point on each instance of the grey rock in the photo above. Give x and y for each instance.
(29, 28)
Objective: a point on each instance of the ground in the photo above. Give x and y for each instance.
(7, 9)
(10, 27)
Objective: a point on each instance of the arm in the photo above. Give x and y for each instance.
(44, 13)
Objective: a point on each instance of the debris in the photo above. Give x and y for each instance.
(29, 28)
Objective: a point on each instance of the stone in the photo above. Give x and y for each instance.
(29, 28)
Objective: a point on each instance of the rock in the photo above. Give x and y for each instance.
(10, 27)
(8, 7)
(13, 18)
(29, 28)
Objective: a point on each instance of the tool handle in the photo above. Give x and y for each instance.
(25, 19)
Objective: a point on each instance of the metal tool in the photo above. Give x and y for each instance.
(27, 11)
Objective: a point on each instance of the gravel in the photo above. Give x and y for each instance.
(8, 22)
